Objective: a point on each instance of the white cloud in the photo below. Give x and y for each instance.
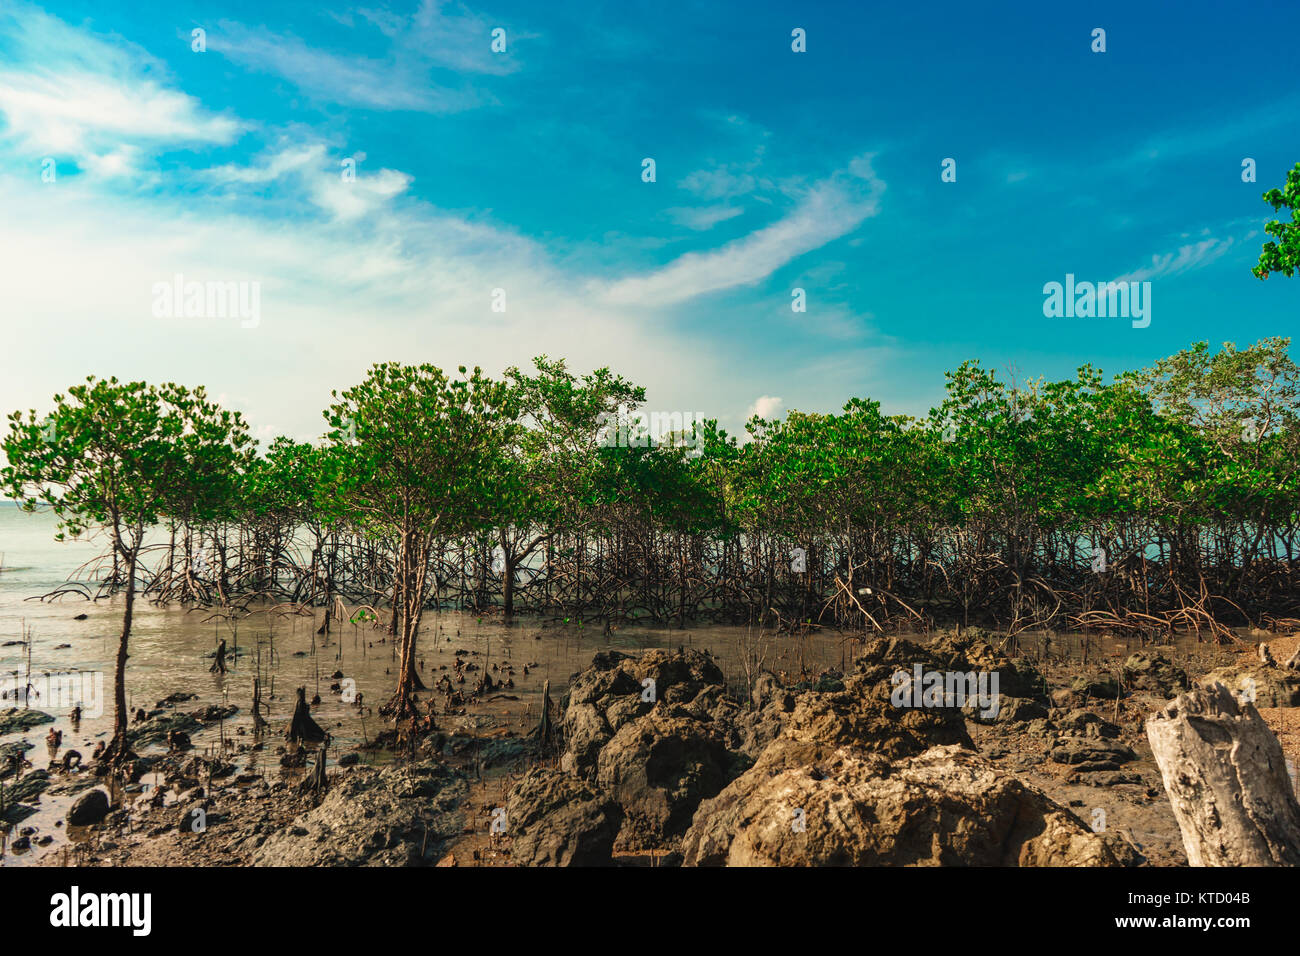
(356, 198)
(721, 182)
(1186, 259)
(405, 283)
(71, 95)
(825, 212)
(422, 67)
(280, 163)
(701, 218)
(380, 276)
(766, 407)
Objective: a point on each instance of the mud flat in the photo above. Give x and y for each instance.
(657, 760)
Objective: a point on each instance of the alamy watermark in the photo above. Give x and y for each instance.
(75, 909)
(180, 299)
(946, 689)
(57, 690)
(646, 429)
(1102, 300)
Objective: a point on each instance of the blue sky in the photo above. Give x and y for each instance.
(522, 171)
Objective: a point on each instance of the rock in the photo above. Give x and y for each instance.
(863, 715)
(1085, 723)
(946, 806)
(976, 649)
(1011, 710)
(613, 692)
(1096, 685)
(157, 729)
(10, 751)
(1111, 778)
(214, 712)
(402, 815)
(1040, 727)
(28, 788)
(555, 819)
(13, 719)
(1152, 671)
(1271, 686)
(1126, 854)
(1088, 754)
(658, 768)
(502, 751)
(16, 812)
(349, 759)
(90, 807)
(771, 706)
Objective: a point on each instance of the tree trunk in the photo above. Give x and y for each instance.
(118, 750)
(508, 590)
(1227, 781)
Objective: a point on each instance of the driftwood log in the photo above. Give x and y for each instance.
(1227, 781)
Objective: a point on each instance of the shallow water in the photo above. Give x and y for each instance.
(170, 652)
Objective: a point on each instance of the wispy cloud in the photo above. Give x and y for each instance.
(701, 218)
(422, 64)
(278, 164)
(825, 212)
(69, 94)
(1186, 259)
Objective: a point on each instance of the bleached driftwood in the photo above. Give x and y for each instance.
(1227, 781)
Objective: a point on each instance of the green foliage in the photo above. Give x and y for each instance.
(552, 472)
(1284, 255)
(413, 450)
(120, 455)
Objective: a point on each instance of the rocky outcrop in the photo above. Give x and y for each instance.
(1153, 672)
(618, 688)
(403, 815)
(975, 650)
(555, 819)
(852, 807)
(873, 781)
(1011, 710)
(1097, 685)
(159, 729)
(772, 705)
(1090, 754)
(21, 718)
(1270, 686)
(658, 768)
